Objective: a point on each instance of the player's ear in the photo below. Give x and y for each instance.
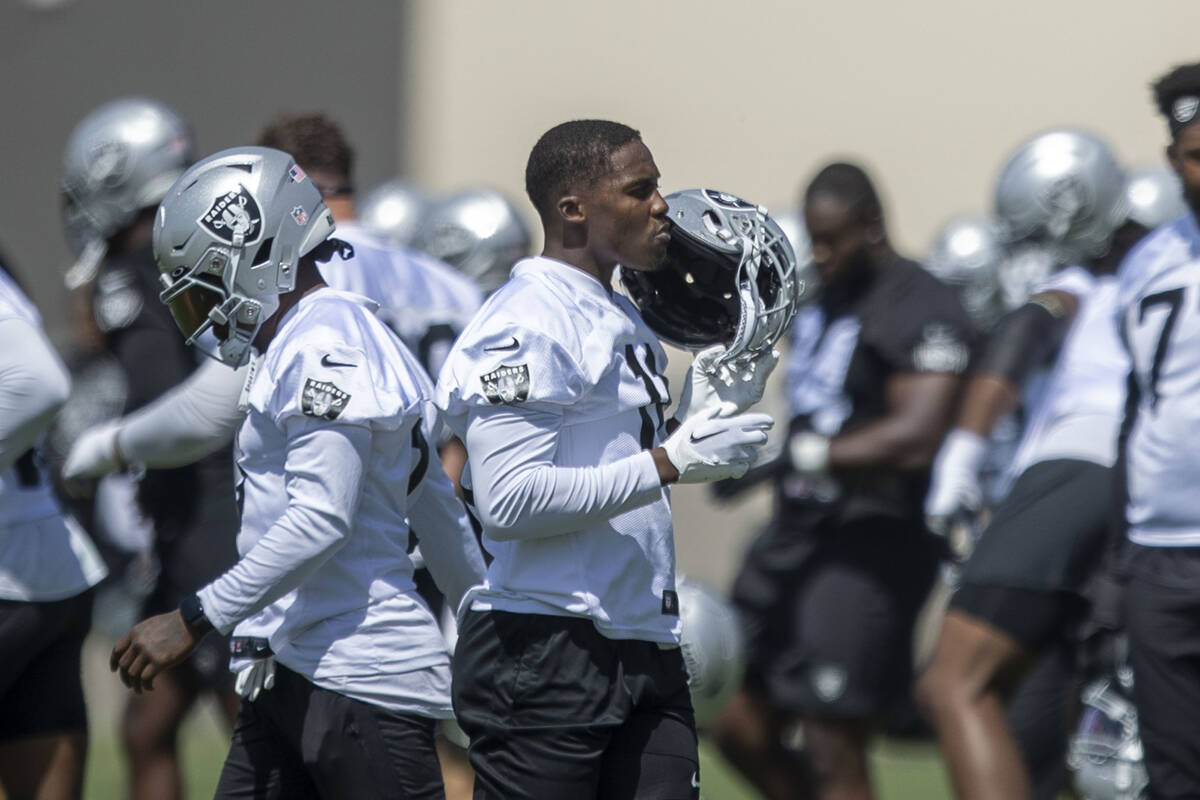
(571, 208)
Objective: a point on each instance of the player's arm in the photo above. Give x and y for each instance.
(519, 493)
(33, 386)
(197, 417)
(323, 475)
(448, 545)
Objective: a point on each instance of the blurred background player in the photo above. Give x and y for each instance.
(874, 374)
(1023, 587)
(1159, 284)
(330, 449)
(394, 210)
(48, 567)
(118, 163)
(479, 232)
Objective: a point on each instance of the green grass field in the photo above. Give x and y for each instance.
(903, 771)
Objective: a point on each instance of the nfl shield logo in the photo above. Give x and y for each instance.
(300, 215)
(235, 212)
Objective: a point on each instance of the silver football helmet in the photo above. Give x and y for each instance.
(228, 238)
(1062, 189)
(1155, 196)
(729, 277)
(792, 222)
(119, 159)
(479, 232)
(712, 648)
(393, 210)
(967, 254)
(1105, 752)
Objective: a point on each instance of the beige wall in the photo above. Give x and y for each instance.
(750, 97)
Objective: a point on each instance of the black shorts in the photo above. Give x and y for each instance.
(1162, 617)
(829, 613)
(1029, 571)
(298, 740)
(556, 710)
(41, 687)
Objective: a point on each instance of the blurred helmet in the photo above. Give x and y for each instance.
(1064, 190)
(729, 277)
(479, 232)
(1154, 196)
(1026, 266)
(394, 210)
(1105, 752)
(228, 238)
(119, 159)
(792, 222)
(712, 647)
(967, 254)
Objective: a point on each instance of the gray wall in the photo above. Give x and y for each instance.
(227, 65)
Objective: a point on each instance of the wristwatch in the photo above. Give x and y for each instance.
(192, 611)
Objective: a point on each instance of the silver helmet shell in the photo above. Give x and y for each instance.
(1105, 753)
(729, 277)
(121, 158)
(479, 232)
(228, 238)
(712, 647)
(1065, 190)
(967, 254)
(1154, 196)
(792, 222)
(394, 210)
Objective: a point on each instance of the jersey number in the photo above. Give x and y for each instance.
(659, 399)
(1172, 299)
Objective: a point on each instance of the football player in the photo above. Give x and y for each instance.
(1023, 586)
(874, 372)
(330, 448)
(477, 231)
(118, 163)
(47, 568)
(1156, 305)
(568, 677)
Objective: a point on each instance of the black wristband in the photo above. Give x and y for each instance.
(192, 611)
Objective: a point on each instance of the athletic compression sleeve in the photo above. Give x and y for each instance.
(1023, 339)
(324, 478)
(33, 386)
(521, 494)
(448, 544)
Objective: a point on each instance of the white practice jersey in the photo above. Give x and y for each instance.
(1158, 310)
(557, 388)
(426, 302)
(44, 555)
(325, 457)
(1077, 414)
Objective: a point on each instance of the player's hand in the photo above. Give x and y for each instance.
(151, 646)
(954, 490)
(706, 447)
(257, 677)
(729, 388)
(94, 453)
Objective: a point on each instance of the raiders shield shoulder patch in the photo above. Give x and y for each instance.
(506, 385)
(322, 399)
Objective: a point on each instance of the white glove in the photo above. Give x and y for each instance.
(94, 453)
(954, 484)
(256, 678)
(706, 447)
(731, 388)
(809, 452)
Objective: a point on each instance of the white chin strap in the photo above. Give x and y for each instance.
(84, 270)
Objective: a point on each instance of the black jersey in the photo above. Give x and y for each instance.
(844, 351)
(192, 508)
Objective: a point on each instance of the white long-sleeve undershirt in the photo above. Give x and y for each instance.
(520, 493)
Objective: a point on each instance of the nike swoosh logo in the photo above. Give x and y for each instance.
(513, 345)
(326, 361)
(696, 438)
(695, 781)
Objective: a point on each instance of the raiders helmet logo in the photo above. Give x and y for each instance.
(235, 212)
(108, 164)
(323, 399)
(1185, 108)
(506, 385)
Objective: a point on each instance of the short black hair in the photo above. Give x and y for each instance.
(1181, 81)
(850, 184)
(571, 154)
(316, 142)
